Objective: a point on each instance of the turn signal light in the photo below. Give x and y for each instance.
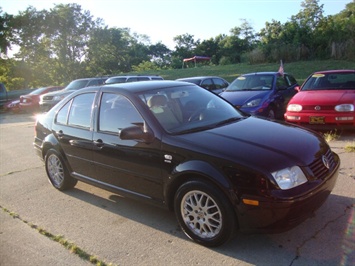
(251, 202)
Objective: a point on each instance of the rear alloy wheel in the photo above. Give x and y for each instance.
(204, 213)
(57, 174)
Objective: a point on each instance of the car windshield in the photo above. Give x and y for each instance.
(330, 81)
(76, 85)
(188, 109)
(251, 82)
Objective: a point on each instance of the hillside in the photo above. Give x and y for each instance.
(300, 70)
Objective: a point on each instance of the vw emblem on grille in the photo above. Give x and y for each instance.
(317, 108)
(325, 161)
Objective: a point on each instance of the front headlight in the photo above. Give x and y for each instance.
(344, 108)
(294, 108)
(289, 177)
(252, 103)
(58, 97)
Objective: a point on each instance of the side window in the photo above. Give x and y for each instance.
(281, 83)
(290, 80)
(143, 78)
(220, 84)
(62, 116)
(132, 79)
(117, 112)
(207, 84)
(94, 82)
(80, 110)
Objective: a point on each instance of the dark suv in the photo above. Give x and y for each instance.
(123, 79)
(48, 100)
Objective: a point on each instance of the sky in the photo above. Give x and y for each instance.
(162, 20)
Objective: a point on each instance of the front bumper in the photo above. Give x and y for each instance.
(326, 121)
(280, 213)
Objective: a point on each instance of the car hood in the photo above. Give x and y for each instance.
(327, 97)
(258, 143)
(242, 97)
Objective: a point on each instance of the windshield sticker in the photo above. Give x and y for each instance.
(241, 78)
(318, 76)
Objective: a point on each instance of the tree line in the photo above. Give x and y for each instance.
(64, 43)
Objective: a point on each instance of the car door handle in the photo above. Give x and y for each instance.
(60, 134)
(98, 143)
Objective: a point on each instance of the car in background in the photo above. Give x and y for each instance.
(262, 93)
(30, 102)
(326, 100)
(48, 100)
(12, 106)
(216, 167)
(211, 83)
(124, 79)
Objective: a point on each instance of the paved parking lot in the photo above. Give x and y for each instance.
(121, 231)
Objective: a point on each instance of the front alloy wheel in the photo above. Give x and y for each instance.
(204, 213)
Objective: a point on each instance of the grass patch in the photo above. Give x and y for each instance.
(61, 240)
(329, 136)
(350, 148)
(300, 70)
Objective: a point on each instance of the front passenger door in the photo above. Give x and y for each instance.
(131, 166)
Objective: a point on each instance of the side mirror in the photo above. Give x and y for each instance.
(136, 133)
(297, 88)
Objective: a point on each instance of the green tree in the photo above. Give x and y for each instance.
(160, 54)
(5, 32)
(108, 50)
(69, 31)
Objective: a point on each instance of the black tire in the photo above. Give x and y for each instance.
(271, 113)
(57, 173)
(204, 213)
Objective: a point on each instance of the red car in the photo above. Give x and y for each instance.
(30, 102)
(325, 101)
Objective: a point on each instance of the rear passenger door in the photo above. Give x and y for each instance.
(72, 128)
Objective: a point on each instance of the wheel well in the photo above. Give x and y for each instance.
(45, 149)
(174, 186)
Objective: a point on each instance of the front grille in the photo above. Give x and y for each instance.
(319, 107)
(318, 167)
(47, 98)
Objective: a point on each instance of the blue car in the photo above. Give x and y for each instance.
(261, 93)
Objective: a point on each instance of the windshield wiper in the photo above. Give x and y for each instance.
(195, 129)
(228, 121)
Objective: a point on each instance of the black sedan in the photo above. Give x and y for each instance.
(211, 83)
(180, 146)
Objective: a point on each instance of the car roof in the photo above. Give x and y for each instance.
(199, 77)
(129, 76)
(262, 73)
(103, 77)
(147, 85)
(335, 71)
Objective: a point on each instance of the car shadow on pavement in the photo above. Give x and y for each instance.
(327, 238)
(324, 239)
